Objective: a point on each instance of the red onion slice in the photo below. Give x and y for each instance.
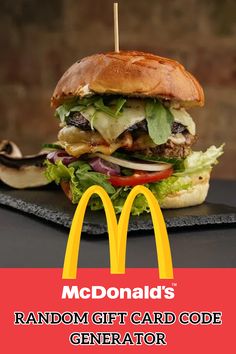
(60, 155)
(108, 168)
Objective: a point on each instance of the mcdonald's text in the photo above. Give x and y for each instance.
(198, 319)
(101, 292)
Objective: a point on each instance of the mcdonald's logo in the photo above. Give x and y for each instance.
(117, 233)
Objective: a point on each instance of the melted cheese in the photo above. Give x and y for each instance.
(181, 116)
(109, 127)
(78, 142)
(79, 149)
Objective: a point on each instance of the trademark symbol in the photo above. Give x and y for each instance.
(174, 284)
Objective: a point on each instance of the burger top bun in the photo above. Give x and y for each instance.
(129, 73)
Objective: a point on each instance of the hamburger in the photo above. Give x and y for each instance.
(124, 121)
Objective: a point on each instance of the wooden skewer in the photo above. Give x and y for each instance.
(116, 27)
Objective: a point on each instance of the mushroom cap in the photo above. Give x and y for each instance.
(21, 172)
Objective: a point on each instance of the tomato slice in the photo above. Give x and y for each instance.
(140, 177)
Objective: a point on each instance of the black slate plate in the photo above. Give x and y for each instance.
(51, 205)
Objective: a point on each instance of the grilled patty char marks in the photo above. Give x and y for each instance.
(170, 149)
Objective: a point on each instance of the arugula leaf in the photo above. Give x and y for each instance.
(119, 105)
(63, 111)
(73, 105)
(177, 163)
(78, 105)
(99, 104)
(88, 179)
(122, 155)
(87, 101)
(159, 121)
(81, 165)
(127, 171)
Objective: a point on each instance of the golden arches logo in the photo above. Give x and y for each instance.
(117, 233)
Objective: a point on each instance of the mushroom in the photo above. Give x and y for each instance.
(9, 148)
(21, 172)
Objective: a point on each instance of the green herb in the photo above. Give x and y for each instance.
(119, 105)
(76, 104)
(62, 113)
(159, 121)
(122, 155)
(99, 104)
(92, 120)
(89, 178)
(81, 165)
(127, 172)
(177, 163)
(52, 146)
(87, 101)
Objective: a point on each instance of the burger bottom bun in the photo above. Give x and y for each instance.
(65, 186)
(195, 195)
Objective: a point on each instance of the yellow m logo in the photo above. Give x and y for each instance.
(118, 233)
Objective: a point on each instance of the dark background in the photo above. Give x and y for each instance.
(39, 39)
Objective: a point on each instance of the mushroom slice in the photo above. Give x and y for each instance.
(23, 172)
(9, 148)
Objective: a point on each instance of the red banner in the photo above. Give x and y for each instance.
(103, 313)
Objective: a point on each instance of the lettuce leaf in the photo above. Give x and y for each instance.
(170, 185)
(79, 175)
(58, 172)
(199, 161)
